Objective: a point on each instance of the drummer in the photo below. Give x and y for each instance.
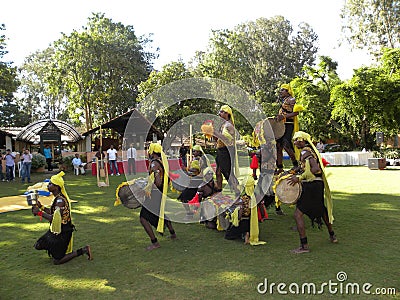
(152, 212)
(314, 189)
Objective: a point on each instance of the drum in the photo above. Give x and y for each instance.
(278, 128)
(132, 196)
(286, 193)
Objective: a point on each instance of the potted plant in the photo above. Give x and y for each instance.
(38, 162)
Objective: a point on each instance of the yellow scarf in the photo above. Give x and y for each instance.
(254, 230)
(155, 147)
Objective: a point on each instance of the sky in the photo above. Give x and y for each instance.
(179, 27)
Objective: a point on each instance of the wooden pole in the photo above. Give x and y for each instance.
(190, 146)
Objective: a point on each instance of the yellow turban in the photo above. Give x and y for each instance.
(227, 109)
(197, 148)
(287, 87)
(58, 180)
(195, 165)
(155, 147)
(302, 136)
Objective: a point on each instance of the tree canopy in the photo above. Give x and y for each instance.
(259, 55)
(10, 113)
(370, 101)
(96, 71)
(372, 24)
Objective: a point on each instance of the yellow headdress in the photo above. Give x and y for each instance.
(228, 109)
(195, 165)
(287, 87)
(197, 148)
(58, 180)
(155, 147)
(303, 136)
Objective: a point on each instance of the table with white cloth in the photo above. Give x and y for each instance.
(353, 158)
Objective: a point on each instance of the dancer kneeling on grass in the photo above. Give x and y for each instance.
(312, 177)
(58, 239)
(152, 212)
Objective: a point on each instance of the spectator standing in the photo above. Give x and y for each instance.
(49, 157)
(26, 165)
(131, 155)
(10, 163)
(1, 167)
(112, 155)
(182, 154)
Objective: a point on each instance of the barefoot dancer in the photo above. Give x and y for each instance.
(314, 188)
(58, 239)
(152, 212)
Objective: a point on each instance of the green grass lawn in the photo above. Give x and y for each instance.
(201, 264)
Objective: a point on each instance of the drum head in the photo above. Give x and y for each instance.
(288, 194)
(278, 128)
(132, 196)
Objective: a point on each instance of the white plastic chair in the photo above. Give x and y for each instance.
(19, 169)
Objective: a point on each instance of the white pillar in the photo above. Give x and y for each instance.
(9, 143)
(88, 142)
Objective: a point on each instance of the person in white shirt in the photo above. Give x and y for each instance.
(112, 155)
(78, 165)
(131, 155)
(26, 160)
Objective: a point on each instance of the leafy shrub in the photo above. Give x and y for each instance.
(387, 153)
(38, 160)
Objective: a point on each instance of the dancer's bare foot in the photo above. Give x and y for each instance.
(89, 252)
(247, 238)
(153, 246)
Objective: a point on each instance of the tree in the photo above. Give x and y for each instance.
(8, 74)
(10, 114)
(258, 56)
(313, 91)
(372, 23)
(370, 101)
(158, 97)
(42, 88)
(100, 69)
